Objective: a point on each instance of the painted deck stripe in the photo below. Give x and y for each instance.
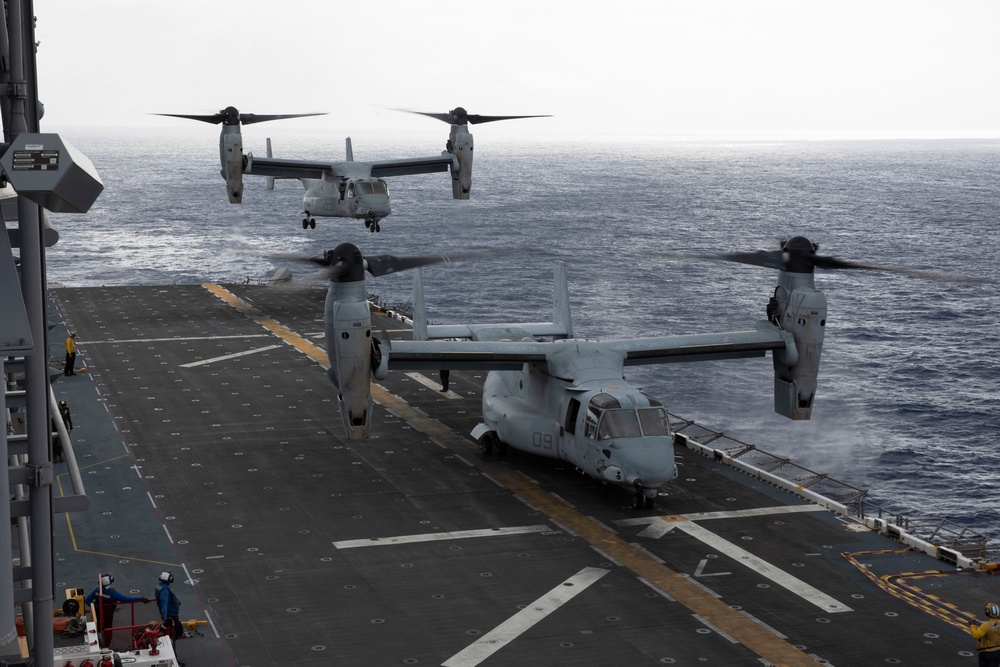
(762, 567)
(731, 514)
(432, 384)
(436, 537)
(516, 625)
(281, 331)
(226, 357)
(169, 340)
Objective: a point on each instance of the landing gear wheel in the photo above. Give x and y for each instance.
(638, 500)
(649, 503)
(312, 223)
(489, 441)
(305, 223)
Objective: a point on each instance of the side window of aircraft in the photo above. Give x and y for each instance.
(619, 424)
(598, 404)
(350, 189)
(654, 421)
(571, 414)
(593, 417)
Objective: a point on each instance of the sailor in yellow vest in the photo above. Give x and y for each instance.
(70, 354)
(987, 636)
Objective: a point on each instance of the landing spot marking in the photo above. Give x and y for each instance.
(229, 356)
(513, 627)
(659, 527)
(435, 537)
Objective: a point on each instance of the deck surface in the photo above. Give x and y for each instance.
(211, 446)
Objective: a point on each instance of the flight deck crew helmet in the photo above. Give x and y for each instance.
(993, 610)
(167, 578)
(107, 580)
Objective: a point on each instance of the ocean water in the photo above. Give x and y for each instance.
(908, 403)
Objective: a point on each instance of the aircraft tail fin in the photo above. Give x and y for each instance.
(348, 150)
(561, 325)
(419, 310)
(561, 317)
(270, 179)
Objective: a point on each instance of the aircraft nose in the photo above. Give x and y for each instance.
(378, 204)
(650, 460)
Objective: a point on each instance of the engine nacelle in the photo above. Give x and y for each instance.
(800, 309)
(460, 148)
(231, 155)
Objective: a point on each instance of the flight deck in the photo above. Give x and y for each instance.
(211, 446)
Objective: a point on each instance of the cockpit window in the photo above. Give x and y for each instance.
(604, 401)
(654, 421)
(618, 424)
(377, 187)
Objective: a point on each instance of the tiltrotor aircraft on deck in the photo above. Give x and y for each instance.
(343, 189)
(567, 398)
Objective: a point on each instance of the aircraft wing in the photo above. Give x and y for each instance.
(411, 166)
(462, 355)
(285, 168)
(702, 347)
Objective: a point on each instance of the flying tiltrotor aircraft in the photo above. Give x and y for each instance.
(567, 398)
(345, 189)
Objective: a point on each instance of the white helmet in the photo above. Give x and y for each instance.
(107, 580)
(993, 610)
(166, 577)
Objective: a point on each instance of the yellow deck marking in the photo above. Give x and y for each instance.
(315, 353)
(766, 645)
(72, 535)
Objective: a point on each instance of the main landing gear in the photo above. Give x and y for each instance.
(490, 441)
(371, 224)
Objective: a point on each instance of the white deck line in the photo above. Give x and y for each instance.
(435, 537)
(513, 627)
(229, 356)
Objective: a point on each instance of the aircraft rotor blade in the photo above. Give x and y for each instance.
(381, 265)
(768, 259)
(798, 255)
(231, 116)
(249, 118)
(459, 116)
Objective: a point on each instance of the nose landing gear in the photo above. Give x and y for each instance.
(643, 498)
(371, 224)
(308, 221)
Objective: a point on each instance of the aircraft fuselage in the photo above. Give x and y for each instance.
(592, 419)
(361, 197)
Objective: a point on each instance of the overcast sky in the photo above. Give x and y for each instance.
(662, 67)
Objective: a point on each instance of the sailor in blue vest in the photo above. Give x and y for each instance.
(109, 598)
(169, 606)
